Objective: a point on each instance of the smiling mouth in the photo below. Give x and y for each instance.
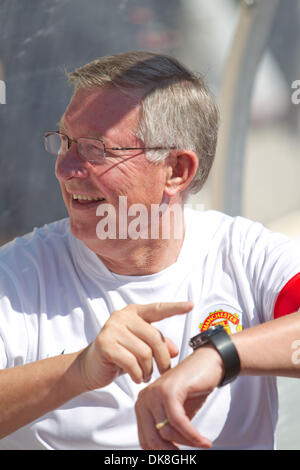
(84, 199)
(81, 201)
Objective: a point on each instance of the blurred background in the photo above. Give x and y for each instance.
(248, 50)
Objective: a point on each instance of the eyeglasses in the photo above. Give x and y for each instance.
(90, 149)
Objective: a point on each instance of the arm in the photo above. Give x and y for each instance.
(128, 343)
(28, 392)
(266, 349)
(270, 348)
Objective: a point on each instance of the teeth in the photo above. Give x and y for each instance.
(87, 198)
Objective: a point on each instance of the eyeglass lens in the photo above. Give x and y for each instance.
(57, 144)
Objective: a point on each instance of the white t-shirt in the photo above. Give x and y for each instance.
(56, 295)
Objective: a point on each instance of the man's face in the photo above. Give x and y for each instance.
(108, 114)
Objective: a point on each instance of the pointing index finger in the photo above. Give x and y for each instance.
(160, 310)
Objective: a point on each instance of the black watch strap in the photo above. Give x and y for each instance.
(225, 347)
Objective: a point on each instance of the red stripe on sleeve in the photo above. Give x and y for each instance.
(288, 299)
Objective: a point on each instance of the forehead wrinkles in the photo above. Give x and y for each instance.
(101, 111)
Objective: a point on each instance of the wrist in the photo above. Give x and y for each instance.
(217, 337)
(212, 358)
(75, 375)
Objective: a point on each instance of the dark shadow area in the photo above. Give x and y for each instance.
(39, 40)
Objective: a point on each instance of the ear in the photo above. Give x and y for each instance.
(181, 168)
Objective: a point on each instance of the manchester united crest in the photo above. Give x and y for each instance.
(230, 320)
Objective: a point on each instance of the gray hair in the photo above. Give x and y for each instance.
(177, 109)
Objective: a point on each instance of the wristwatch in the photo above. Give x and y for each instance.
(218, 337)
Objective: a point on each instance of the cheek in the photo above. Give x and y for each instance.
(110, 185)
(139, 182)
(120, 180)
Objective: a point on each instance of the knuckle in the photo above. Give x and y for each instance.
(130, 308)
(145, 399)
(101, 341)
(113, 327)
(106, 345)
(145, 353)
(157, 337)
(131, 361)
(132, 368)
(116, 315)
(142, 398)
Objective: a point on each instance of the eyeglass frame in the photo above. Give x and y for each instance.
(69, 140)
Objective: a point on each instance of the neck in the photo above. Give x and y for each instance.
(145, 256)
(145, 260)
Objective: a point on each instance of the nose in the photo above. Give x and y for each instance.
(70, 165)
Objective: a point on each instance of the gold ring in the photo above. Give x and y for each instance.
(162, 424)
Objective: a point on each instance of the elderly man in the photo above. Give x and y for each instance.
(98, 310)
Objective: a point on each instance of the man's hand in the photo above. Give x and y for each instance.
(128, 343)
(176, 396)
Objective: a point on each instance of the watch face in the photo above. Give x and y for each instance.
(213, 330)
(203, 338)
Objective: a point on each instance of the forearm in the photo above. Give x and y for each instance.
(270, 348)
(28, 392)
(179, 393)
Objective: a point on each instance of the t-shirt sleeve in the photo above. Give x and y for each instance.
(288, 299)
(272, 264)
(13, 330)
